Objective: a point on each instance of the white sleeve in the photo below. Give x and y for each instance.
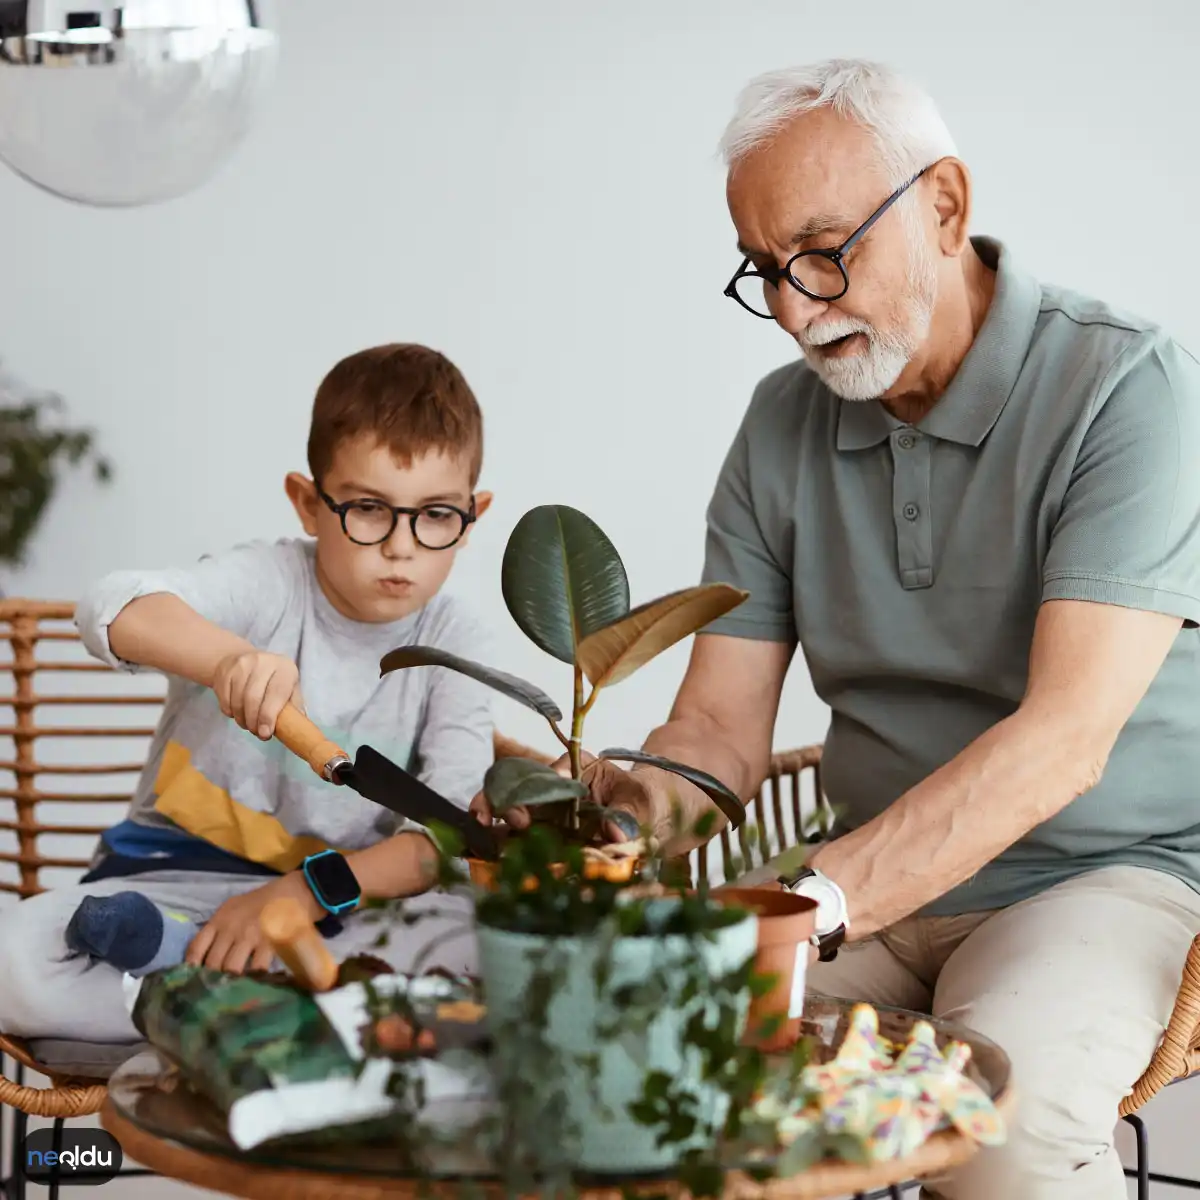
(455, 741)
(243, 590)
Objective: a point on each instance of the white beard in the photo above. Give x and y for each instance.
(868, 375)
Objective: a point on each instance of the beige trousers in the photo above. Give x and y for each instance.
(1075, 985)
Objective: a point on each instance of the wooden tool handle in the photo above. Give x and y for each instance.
(299, 945)
(306, 741)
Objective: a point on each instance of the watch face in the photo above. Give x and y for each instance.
(334, 879)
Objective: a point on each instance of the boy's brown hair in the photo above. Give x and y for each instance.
(412, 398)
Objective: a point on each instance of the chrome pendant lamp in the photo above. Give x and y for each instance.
(127, 104)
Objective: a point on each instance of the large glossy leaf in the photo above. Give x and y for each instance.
(524, 781)
(617, 650)
(512, 687)
(562, 579)
(725, 798)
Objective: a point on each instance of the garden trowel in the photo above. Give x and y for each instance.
(380, 780)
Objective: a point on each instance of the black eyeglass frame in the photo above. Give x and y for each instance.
(837, 256)
(398, 510)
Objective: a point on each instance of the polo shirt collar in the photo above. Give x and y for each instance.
(985, 379)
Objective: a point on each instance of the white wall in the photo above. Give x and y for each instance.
(532, 187)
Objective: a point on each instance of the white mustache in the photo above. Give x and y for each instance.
(830, 331)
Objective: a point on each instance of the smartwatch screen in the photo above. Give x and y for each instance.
(333, 878)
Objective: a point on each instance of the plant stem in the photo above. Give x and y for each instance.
(558, 733)
(578, 711)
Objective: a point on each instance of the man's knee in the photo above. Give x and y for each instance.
(1060, 1123)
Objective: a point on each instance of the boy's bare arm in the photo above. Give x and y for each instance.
(162, 632)
(403, 865)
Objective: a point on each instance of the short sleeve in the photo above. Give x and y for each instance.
(1128, 532)
(739, 550)
(243, 590)
(455, 743)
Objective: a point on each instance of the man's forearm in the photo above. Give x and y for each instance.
(940, 833)
(698, 743)
(162, 632)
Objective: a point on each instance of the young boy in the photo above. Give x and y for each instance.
(224, 818)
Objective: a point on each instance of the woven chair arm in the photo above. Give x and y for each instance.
(789, 762)
(1180, 1041)
(73, 1100)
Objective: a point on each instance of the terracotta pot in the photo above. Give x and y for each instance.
(785, 924)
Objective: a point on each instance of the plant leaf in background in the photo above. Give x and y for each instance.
(562, 579)
(30, 454)
(524, 781)
(724, 798)
(510, 685)
(615, 651)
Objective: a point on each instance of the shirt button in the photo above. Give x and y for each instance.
(911, 512)
(907, 441)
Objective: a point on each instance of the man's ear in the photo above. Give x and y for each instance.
(302, 492)
(951, 182)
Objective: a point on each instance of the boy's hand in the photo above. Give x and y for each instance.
(252, 687)
(232, 940)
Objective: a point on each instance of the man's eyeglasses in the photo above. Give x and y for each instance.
(368, 522)
(818, 274)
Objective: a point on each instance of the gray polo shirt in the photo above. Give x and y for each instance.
(908, 562)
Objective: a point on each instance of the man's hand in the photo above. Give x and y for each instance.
(624, 791)
(232, 939)
(252, 687)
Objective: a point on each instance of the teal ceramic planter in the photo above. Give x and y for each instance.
(597, 1095)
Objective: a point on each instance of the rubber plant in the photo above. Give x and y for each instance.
(31, 454)
(565, 586)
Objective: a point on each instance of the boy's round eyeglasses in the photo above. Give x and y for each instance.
(367, 522)
(818, 274)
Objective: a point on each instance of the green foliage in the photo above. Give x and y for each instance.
(562, 579)
(514, 780)
(566, 588)
(33, 452)
(543, 889)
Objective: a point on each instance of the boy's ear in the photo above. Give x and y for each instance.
(483, 501)
(302, 492)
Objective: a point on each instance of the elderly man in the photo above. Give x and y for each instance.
(975, 506)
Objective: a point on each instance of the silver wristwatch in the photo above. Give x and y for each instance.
(832, 915)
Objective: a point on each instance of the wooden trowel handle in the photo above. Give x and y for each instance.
(298, 944)
(306, 741)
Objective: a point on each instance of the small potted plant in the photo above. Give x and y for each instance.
(565, 585)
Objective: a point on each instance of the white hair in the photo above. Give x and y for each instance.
(899, 114)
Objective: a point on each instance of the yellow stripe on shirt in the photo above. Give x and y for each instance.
(207, 811)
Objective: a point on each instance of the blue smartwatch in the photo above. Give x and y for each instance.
(332, 881)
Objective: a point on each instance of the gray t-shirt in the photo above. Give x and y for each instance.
(909, 561)
(215, 780)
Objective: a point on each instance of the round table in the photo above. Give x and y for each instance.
(164, 1125)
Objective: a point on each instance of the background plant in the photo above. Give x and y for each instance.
(566, 587)
(33, 450)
